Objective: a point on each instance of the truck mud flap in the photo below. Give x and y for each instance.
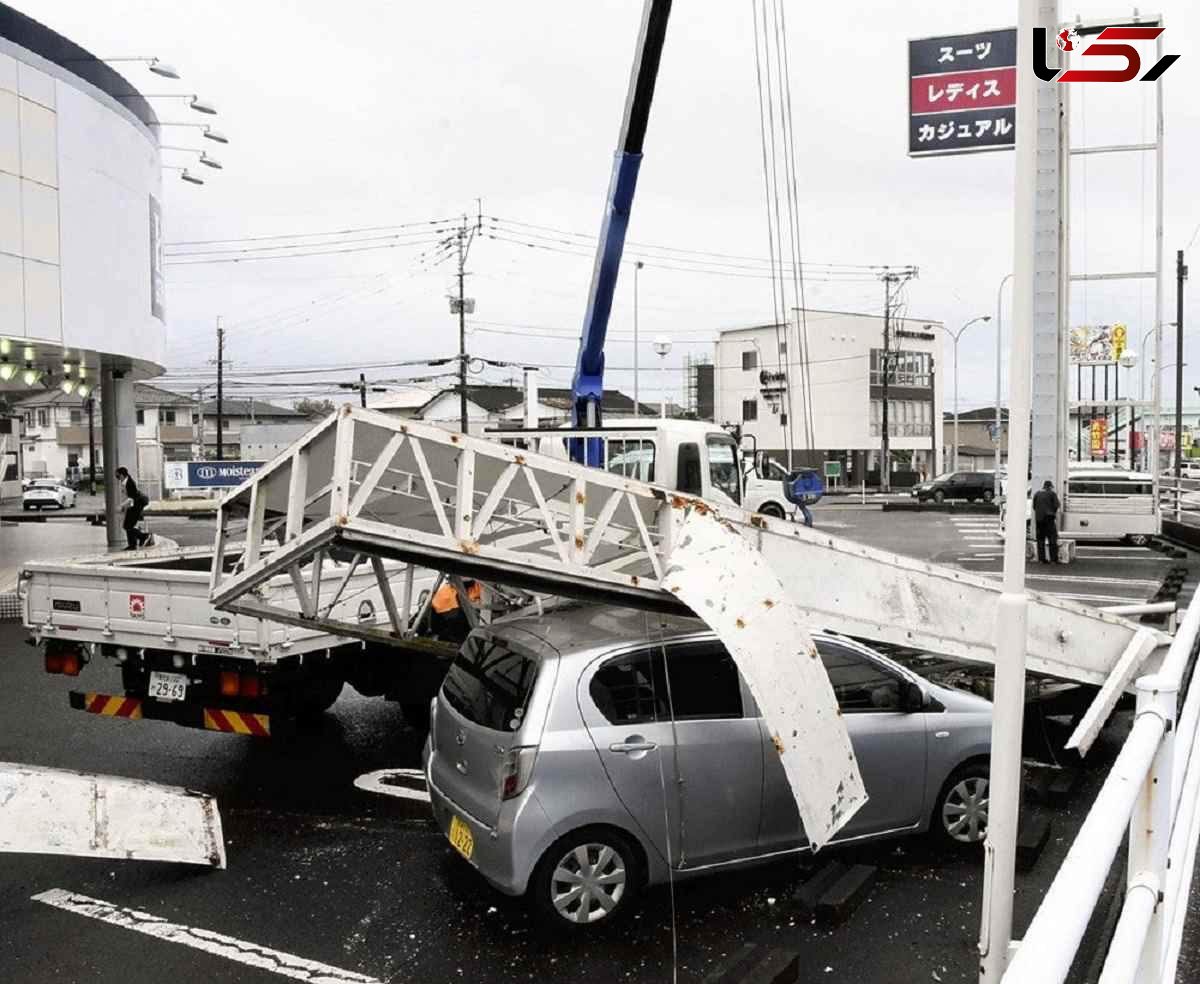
(58, 811)
(223, 719)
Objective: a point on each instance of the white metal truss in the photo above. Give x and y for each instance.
(369, 486)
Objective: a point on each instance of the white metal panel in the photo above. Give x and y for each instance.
(56, 811)
(730, 585)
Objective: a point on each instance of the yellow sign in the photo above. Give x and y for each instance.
(1099, 436)
(1118, 341)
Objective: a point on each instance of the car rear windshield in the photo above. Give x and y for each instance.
(489, 684)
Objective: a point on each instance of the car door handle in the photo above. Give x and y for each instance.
(635, 744)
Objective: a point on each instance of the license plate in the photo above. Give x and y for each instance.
(168, 686)
(461, 838)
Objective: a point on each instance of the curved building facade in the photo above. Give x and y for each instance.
(80, 216)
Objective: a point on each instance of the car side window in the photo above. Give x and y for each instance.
(704, 682)
(858, 683)
(631, 689)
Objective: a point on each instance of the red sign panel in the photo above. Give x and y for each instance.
(964, 90)
(137, 606)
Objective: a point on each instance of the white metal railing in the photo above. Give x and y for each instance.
(1152, 793)
(1173, 498)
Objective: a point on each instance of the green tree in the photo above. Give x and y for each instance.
(315, 408)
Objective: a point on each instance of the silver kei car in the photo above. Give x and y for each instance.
(579, 756)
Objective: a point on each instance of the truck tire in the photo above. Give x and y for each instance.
(318, 697)
(416, 715)
(772, 509)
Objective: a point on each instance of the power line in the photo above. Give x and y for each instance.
(298, 235)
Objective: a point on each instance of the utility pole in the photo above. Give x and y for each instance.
(1180, 277)
(889, 278)
(462, 330)
(220, 390)
(362, 389)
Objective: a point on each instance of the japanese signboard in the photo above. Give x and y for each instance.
(158, 288)
(962, 93)
(1097, 344)
(1099, 436)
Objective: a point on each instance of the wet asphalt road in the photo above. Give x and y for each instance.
(322, 870)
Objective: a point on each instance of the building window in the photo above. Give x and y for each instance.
(907, 368)
(43, 418)
(749, 410)
(224, 423)
(783, 347)
(750, 359)
(141, 417)
(76, 417)
(168, 417)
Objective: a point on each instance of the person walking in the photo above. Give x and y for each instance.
(1045, 518)
(134, 505)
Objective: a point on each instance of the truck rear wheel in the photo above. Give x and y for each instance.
(318, 697)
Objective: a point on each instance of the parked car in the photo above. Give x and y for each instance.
(1189, 469)
(579, 756)
(958, 485)
(46, 492)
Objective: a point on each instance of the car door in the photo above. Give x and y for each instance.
(624, 704)
(718, 755)
(889, 744)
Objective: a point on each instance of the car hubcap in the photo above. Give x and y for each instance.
(588, 883)
(965, 812)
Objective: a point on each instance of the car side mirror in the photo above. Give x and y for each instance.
(912, 697)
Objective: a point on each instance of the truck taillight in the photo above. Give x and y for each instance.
(60, 658)
(54, 661)
(71, 663)
(229, 683)
(518, 767)
(251, 685)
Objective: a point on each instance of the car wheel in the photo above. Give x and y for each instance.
(1138, 539)
(588, 878)
(772, 509)
(939, 497)
(960, 814)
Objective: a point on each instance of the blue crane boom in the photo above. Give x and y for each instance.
(587, 386)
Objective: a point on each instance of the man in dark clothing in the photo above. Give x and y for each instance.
(1045, 518)
(135, 503)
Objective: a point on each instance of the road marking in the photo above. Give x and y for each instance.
(251, 954)
(401, 783)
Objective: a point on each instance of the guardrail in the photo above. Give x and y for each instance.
(1171, 497)
(1153, 792)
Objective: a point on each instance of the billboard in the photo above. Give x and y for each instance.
(1099, 436)
(1097, 345)
(208, 474)
(962, 93)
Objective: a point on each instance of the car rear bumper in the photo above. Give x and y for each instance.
(493, 856)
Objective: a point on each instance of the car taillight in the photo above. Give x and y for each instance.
(518, 767)
(229, 683)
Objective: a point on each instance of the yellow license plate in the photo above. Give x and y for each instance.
(461, 838)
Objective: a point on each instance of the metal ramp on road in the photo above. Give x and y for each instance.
(363, 486)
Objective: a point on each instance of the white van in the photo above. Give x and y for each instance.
(1102, 502)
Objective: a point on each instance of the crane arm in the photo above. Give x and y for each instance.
(587, 386)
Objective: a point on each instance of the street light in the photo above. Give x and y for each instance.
(204, 158)
(209, 133)
(662, 346)
(637, 410)
(956, 335)
(196, 103)
(154, 64)
(184, 174)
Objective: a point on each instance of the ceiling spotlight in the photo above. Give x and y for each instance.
(67, 385)
(83, 389)
(186, 175)
(7, 369)
(203, 106)
(215, 135)
(30, 376)
(210, 161)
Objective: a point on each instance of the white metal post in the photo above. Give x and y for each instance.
(996, 487)
(1000, 849)
(956, 338)
(1150, 822)
(637, 407)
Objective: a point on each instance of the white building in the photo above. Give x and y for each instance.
(829, 405)
(235, 414)
(489, 406)
(55, 433)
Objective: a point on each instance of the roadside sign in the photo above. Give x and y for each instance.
(208, 474)
(1097, 345)
(1099, 435)
(962, 93)
(833, 469)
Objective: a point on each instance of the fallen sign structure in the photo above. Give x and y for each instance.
(57, 811)
(363, 486)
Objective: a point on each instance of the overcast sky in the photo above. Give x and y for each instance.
(365, 113)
